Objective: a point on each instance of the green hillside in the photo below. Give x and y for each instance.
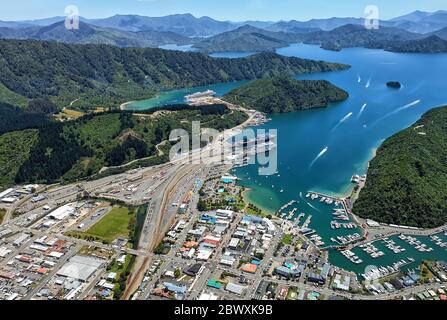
(80, 148)
(407, 180)
(247, 39)
(101, 75)
(15, 148)
(283, 94)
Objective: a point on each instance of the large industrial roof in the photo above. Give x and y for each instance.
(80, 267)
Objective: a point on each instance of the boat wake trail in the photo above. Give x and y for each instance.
(361, 110)
(308, 203)
(397, 111)
(346, 117)
(318, 156)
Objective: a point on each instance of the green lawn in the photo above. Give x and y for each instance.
(255, 212)
(287, 239)
(113, 225)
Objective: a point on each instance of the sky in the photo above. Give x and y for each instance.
(235, 10)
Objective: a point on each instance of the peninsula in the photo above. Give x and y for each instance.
(406, 182)
(284, 94)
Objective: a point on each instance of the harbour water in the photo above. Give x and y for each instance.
(320, 149)
(390, 257)
(349, 134)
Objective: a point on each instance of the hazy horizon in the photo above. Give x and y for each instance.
(261, 10)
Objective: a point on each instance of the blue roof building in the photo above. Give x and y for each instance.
(179, 289)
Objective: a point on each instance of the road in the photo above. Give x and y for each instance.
(158, 221)
(49, 275)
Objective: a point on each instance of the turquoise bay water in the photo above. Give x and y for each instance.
(178, 96)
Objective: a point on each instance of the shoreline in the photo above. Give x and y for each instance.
(350, 188)
(366, 231)
(124, 105)
(247, 201)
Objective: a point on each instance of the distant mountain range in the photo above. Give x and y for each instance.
(247, 38)
(314, 24)
(184, 24)
(441, 33)
(422, 22)
(417, 22)
(88, 33)
(210, 35)
(190, 26)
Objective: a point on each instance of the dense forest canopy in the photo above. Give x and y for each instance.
(34, 116)
(77, 149)
(101, 75)
(284, 94)
(407, 180)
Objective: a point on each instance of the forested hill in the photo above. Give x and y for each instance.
(106, 75)
(432, 44)
(284, 94)
(54, 151)
(248, 39)
(407, 180)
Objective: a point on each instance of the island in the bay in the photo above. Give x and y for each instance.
(394, 84)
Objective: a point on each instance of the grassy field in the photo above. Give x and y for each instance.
(117, 223)
(114, 224)
(287, 239)
(69, 114)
